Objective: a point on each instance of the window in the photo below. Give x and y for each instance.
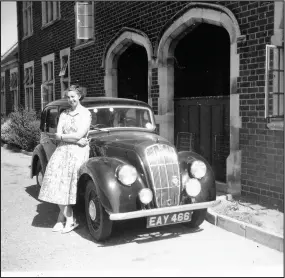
(51, 119)
(3, 95)
(84, 12)
(27, 18)
(14, 87)
(64, 69)
(47, 87)
(274, 83)
(29, 85)
(50, 11)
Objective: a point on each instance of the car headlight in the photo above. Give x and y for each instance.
(127, 174)
(193, 187)
(145, 196)
(198, 169)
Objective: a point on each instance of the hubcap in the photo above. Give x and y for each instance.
(92, 210)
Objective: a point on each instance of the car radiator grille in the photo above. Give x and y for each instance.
(164, 172)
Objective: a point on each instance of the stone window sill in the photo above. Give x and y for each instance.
(83, 45)
(45, 25)
(276, 125)
(27, 36)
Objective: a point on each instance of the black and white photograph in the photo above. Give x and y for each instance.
(142, 138)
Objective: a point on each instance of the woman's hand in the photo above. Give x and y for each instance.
(83, 142)
(57, 136)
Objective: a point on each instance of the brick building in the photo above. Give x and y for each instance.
(9, 81)
(213, 70)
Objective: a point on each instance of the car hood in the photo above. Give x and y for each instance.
(128, 139)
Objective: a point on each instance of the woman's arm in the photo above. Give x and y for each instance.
(85, 121)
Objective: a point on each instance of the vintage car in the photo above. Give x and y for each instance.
(132, 172)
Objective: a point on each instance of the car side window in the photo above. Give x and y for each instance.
(51, 119)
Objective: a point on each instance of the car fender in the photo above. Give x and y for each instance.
(38, 154)
(114, 196)
(207, 182)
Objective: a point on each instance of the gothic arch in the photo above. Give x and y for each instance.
(184, 22)
(115, 48)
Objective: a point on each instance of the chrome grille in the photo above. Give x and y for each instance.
(164, 172)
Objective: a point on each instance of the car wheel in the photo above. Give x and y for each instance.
(99, 224)
(40, 174)
(197, 219)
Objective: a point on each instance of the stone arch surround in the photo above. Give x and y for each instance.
(196, 13)
(118, 45)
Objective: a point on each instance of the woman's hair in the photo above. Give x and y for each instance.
(78, 89)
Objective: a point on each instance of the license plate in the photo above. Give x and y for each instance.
(168, 219)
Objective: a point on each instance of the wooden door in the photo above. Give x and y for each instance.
(206, 121)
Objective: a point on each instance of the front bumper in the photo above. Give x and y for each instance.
(159, 211)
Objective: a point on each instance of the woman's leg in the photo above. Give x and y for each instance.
(70, 221)
(61, 217)
(68, 213)
(60, 220)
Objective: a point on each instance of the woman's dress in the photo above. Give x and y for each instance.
(59, 184)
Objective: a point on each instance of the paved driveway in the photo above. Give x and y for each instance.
(29, 246)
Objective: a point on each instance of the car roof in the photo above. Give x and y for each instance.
(98, 101)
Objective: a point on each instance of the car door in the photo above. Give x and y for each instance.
(50, 120)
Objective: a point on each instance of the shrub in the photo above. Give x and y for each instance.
(22, 129)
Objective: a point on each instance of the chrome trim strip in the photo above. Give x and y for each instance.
(158, 211)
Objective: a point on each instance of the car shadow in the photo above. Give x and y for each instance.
(134, 231)
(124, 232)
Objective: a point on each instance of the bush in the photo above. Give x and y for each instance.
(22, 128)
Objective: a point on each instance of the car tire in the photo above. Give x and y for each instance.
(40, 174)
(99, 224)
(197, 218)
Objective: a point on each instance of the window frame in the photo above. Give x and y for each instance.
(3, 95)
(63, 53)
(46, 12)
(14, 77)
(274, 87)
(27, 19)
(84, 42)
(47, 113)
(51, 82)
(27, 66)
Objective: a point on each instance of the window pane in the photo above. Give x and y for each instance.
(54, 10)
(85, 33)
(50, 65)
(50, 93)
(51, 120)
(2, 83)
(31, 76)
(31, 98)
(29, 21)
(50, 8)
(84, 21)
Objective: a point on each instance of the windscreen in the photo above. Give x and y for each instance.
(120, 117)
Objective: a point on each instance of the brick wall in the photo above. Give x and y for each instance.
(262, 149)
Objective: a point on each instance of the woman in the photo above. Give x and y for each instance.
(60, 180)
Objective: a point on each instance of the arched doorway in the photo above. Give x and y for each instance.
(175, 29)
(133, 73)
(201, 93)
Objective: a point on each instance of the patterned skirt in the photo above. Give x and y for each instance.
(59, 184)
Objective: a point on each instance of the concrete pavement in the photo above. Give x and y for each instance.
(29, 246)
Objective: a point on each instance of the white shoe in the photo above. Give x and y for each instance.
(69, 227)
(58, 227)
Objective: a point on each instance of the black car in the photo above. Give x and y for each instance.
(132, 172)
